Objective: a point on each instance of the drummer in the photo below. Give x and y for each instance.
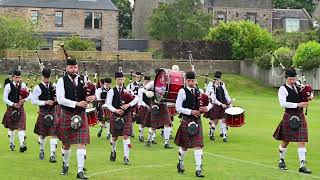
(221, 100)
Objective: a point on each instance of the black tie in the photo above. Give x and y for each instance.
(119, 89)
(192, 91)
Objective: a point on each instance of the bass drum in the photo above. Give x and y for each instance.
(167, 85)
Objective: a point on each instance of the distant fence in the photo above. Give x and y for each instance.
(274, 79)
(81, 55)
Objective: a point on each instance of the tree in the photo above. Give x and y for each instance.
(309, 5)
(75, 43)
(125, 17)
(17, 33)
(248, 40)
(182, 20)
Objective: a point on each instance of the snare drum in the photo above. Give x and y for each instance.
(167, 85)
(92, 116)
(235, 117)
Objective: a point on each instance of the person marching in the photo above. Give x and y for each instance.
(15, 117)
(121, 120)
(72, 127)
(44, 95)
(104, 117)
(190, 132)
(221, 100)
(144, 106)
(134, 88)
(293, 127)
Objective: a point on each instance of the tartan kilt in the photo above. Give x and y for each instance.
(142, 114)
(218, 112)
(72, 136)
(157, 121)
(208, 114)
(10, 123)
(106, 115)
(147, 119)
(285, 133)
(127, 129)
(134, 113)
(58, 110)
(183, 139)
(40, 128)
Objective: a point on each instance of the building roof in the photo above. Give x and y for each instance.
(291, 13)
(64, 4)
(263, 4)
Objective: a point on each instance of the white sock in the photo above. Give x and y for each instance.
(221, 126)
(224, 129)
(108, 128)
(212, 128)
(141, 130)
(53, 145)
(113, 145)
(166, 132)
(150, 134)
(171, 129)
(132, 128)
(42, 143)
(11, 136)
(21, 135)
(182, 153)
(80, 157)
(126, 148)
(154, 136)
(66, 156)
(302, 156)
(283, 152)
(198, 156)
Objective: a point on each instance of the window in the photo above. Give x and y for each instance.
(292, 24)
(88, 20)
(221, 17)
(34, 17)
(59, 18)
(97, 20)
(252, 17)
(98, 45)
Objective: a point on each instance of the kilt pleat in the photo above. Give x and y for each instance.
(127, 129)
(10, 123)
(40, 128)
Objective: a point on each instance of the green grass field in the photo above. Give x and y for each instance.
(251, 152)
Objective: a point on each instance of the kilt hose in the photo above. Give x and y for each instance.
(68, 135)
(40, 128)
(183, 138)
(157, 121)
(218, 112)
(127, 128)
(285, 133)
(14, 124)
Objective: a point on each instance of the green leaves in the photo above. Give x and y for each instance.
(309, 5)
(307, 55)
(125, 17)
(75, 43)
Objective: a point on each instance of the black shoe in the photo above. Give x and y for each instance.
(23, 148)
(65, 169)
(12, 146)
(199, 173)
(221, 134)
(148, 143)
(154, 142)
(171, 136)
(81, 175)
(225, 139)
(303, 169)
(180, 168)
(168, 146)
(85, 169)
(113, 156)
(212, 138)
(99, 132)
(53, 159)
(41, 155)
(141, 139)
(126, 161)
(108, 136)
(132, 135)
(282, 165)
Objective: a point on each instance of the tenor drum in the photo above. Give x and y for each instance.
(235, 117)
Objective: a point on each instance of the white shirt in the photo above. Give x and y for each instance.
(98, 93)
(214, 97)
(7, 90)
(282, 96)
(181, 98)
(110, 99)
(61, 93)
(35, 96)
(149, 86)
(140, 96)
(133, 86)
(209, 88)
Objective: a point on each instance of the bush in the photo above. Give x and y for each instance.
(307, 56)
(284, 55)
(75, 43)
(264, 61)
(248, 40)
(293, 39)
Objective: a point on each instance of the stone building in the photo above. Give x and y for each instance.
(92, 19)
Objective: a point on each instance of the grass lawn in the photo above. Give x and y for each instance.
(251, 152)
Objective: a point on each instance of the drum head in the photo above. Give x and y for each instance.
(160, 85)
(234, 111)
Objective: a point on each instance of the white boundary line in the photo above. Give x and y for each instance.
(133, 167)
(258, 164)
